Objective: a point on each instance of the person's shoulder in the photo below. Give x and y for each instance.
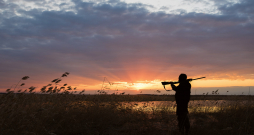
(187, 83)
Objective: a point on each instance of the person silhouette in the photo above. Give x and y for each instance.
(182, 97)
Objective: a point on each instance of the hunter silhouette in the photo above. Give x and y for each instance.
(182, 97)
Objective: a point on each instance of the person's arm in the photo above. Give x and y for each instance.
(173, 86)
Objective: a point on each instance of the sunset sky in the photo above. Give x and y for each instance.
(133, 44)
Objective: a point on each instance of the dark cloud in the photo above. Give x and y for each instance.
(245, 7)
(116, 39)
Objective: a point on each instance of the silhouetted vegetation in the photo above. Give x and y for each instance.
(59, 110)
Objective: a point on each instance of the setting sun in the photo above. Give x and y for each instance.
(139, 86)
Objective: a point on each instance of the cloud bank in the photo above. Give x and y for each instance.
(124, 42)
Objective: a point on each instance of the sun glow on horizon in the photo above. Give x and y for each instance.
(139, 86)
(156, 84)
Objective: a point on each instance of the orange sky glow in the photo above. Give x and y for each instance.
(128, 45)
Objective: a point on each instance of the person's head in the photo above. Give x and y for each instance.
(182, 77)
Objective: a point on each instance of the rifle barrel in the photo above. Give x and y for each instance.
(166, 83)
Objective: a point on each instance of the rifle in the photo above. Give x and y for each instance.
(166, 83)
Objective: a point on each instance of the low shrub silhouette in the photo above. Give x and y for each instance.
(58, 110)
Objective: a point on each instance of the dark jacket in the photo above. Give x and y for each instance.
(183, 90)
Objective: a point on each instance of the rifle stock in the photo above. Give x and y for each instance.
(166, 83)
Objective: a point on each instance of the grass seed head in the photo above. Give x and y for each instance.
(25, 77)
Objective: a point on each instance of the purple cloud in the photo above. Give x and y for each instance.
(118, 39)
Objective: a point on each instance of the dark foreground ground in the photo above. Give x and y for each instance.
(69, 114)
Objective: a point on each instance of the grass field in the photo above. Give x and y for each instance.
(59, 110)
(79, 114)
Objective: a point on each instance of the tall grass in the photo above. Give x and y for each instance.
(59, 111)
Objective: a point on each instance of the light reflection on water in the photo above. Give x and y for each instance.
(194, 106)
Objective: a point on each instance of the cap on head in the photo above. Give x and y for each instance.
(182, 77)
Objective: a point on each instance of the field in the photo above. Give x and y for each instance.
(102, 114)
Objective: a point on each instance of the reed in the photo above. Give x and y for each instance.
(60, 111)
